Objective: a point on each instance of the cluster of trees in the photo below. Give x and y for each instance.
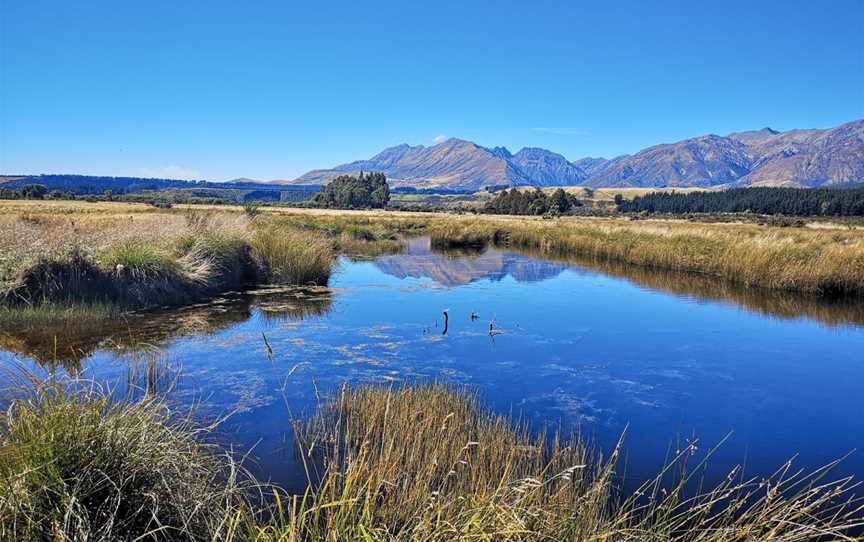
(531, 202)
(768, 201)
(362, 192)
(28, 191)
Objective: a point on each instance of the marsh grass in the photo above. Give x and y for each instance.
(140, 261)
(832, 311)
(290, 256)
(824, 261)
(77, 463)
(829, 263)
(429, 463)
(366, 241)
(356, 235)
(110, 258)
(414, 463)
(53, 314)
(69, 252)
(216, 260)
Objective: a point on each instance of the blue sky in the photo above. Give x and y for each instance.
(270, 90)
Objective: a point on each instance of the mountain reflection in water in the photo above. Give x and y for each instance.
(70, 343)
(452, 268)
(459, 267)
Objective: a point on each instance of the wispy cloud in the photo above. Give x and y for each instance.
(562, 131)
(169, 172)
(440, 138)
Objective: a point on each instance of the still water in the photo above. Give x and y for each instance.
(583, 346)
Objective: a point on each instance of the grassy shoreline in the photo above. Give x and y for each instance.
(134, 256)
(820, 259)
(825, 263)
(133, 262)
(425, 462)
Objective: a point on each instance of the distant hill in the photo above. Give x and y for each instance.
(247, 180)
(95, 185)
(453, 164)
(803, 158)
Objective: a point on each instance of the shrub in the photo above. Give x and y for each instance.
(251, 209)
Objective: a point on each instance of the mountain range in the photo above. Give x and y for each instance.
(766, 157)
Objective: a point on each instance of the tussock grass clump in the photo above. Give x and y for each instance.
(61, 278)
(290, 256)
(428, 463)
(217, 260)
(76, 464)
(140, 261)
(359, 240)
(456, 234)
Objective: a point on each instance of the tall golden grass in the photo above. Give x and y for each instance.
(290, 256)
(419, 463)
(429, 463)
(819, 261)
(814, 261)
(138, 258)
(78, 463)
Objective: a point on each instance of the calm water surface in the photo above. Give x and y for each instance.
(592, 347)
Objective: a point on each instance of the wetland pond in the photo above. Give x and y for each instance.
(576, 345)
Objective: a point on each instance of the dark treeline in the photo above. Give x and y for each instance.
(369, 191)
(27, 191)
(95, 185)
(767, 201)
(215, 196)
(531, 202)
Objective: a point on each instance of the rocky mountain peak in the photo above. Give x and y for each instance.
(757, 157)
